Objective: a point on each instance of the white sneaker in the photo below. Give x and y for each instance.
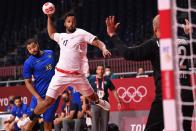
(104, 105)
(23, 122)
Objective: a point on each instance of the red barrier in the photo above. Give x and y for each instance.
(5, 92)
(135, 93)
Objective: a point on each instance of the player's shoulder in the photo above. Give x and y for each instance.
(29, 60)
(79, 30)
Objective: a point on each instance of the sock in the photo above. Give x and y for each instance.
(33, 116)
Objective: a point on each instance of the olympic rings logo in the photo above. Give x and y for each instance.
(132, 93)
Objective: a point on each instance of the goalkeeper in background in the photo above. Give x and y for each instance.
(149, 50)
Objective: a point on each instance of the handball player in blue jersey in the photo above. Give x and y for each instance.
(40, 65)
(18, 112)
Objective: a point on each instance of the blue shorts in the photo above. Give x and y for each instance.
(49, 114)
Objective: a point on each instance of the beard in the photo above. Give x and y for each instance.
(71, 30)
(36, 53)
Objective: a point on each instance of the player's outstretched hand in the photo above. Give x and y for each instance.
(106, 53)
(187, 27)
(111, 25)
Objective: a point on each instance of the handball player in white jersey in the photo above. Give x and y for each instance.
(70, 69)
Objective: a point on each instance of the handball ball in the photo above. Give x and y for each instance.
(48, 8)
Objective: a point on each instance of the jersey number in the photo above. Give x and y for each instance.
(48, 67)
(65, 42)
(182, 51)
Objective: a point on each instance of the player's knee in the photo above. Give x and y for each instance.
(47, 126)
(49, 101)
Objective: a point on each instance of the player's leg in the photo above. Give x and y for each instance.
(54, 90)
(44, 105)
(187, 96)
(187, 110)
(155, 119)
(47, 126)
(49, 115)
(56, 87)
(82, 85)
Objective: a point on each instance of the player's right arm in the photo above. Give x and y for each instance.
(27, 74)
(30, 87)
(141, 52)
(51, 27)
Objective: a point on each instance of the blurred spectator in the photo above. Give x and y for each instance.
(109, 73)
(68, 119)
(86, 113)
(11, 104)
(141, 73)
(75, 96)
(101, 84)
(18, 112)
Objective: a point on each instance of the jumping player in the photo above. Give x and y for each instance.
(69, 69)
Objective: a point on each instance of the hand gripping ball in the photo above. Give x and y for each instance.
(48, 8)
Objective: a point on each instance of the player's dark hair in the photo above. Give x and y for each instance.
(31, 40)
(66, 92)
(69, 14)
(17, 97)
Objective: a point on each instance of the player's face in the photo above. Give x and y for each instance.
(100, 70)
(70, 24)
(18, 102)
(65, 97)
(33, 48)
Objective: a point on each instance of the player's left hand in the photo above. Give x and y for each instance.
(106, 53)
(187, 27)
(119, 105)
(111, 25)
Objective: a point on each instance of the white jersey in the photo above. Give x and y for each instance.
(73, 49)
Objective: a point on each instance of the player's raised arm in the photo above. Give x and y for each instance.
(96, 42)
(187, 27)
(51, 27)
(49, 10)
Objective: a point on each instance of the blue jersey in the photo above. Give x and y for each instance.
(42, 69)
(19, 111)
